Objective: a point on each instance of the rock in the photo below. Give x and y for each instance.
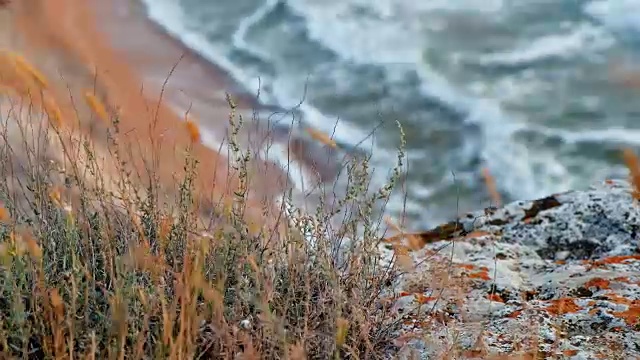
(555, 277)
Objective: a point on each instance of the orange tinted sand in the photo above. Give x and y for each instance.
(79, 50)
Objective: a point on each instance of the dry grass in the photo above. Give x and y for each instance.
(492, 188)
(193, 130)
(110, 270)
(97, 106)
(633, 164)
(322, 137)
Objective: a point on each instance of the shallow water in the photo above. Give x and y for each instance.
(522, 88)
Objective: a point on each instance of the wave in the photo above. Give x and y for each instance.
(398, 44)
(393, 35)
(172, 18)
(616, 14)
(611, 135)
(170, 15)
(582, 39)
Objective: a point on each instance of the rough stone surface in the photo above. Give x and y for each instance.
(557, 277)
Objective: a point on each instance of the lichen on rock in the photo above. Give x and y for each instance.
(555, 277)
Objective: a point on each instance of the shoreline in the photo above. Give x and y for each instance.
(304, 158)
(241, 94)
(190, 88)
(76, 48)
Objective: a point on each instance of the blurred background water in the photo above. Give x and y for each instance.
(523, 88)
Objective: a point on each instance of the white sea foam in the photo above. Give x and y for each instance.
(617, 14)
(610, 135)
(394, 34)
(399, 41)
(381, 31)
(524, 173)
(172, 17)
(578, 41)
(239, 37)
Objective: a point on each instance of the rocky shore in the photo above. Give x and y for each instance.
(551, 278)
(557, 277)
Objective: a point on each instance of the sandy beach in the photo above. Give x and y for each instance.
(112, 49)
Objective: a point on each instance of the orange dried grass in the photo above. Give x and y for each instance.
(56, 302)
(633, 163)
(4, 214)
(491, 187)
(404, 260)
(22, 65)
(15, 78)
(193, 130)
(96, 106)
(166, 223)
(322, 137)
(54, 195)
(342, 328)
(18, 76)
(414, 242)
(32, 246)
(53, 112)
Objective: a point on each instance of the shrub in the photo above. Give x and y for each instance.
(111, 269)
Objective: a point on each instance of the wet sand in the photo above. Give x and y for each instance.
(110, 47)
